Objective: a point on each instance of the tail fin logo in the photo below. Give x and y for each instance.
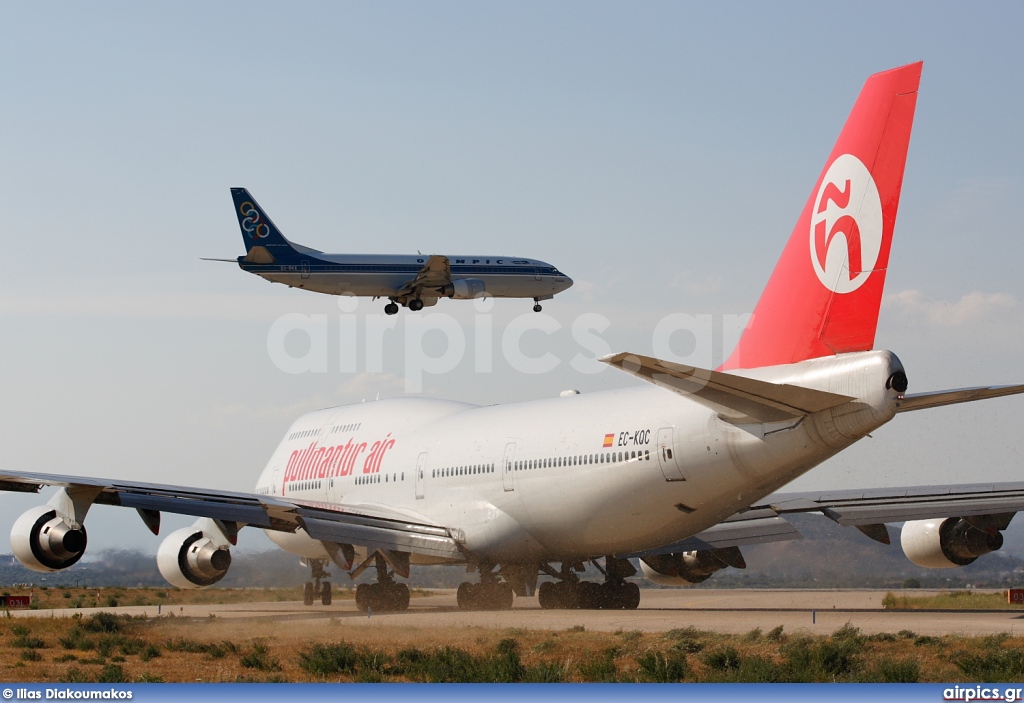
(846, 226)
(251, 222)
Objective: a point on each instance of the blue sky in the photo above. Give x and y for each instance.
(659, 153)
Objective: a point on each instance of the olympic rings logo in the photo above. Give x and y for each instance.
(251, 224)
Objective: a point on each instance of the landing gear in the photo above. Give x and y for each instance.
(569, 593)
(391, 308)
(383, 596)
(536, 305)
(415, 304)
(317, 588)
(489, 594)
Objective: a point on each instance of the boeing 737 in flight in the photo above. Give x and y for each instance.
(676, 474)
(413, 281)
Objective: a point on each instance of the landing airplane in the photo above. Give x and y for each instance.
(679, 472)
(412, 281)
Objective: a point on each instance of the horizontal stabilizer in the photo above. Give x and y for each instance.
(920, 401)
(736, 398)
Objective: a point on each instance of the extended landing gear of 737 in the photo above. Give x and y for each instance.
(536, 305)
(489, 594)
(383, 596)
(415, 304)
(569, 593)
(316, 588)
(391, 308)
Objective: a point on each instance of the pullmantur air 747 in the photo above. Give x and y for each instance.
(674, 475)
(414, 281)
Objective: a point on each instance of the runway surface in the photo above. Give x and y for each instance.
(734, 611)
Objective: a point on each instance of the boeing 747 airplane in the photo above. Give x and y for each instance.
(675, 474)
(413, 281)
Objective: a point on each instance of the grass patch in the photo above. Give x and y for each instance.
(662, 667)
(949, 600)
(324, 660)
(114, 648)
(259, 658)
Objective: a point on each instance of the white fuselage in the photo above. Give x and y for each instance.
(571, 477)
(386, 275)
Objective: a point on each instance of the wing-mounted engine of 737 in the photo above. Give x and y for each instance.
(953, 541)
(47, 539)
(464, 289)
(689, 568)
(196, 556)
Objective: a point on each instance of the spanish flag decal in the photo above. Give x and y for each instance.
(608, 439)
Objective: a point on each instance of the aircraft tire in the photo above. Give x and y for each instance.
(325, 593)
(589, 596)
(363, 597)
(545, 595)
(416, 305)
(631, 596)
(464, 596)
(400, 597)
(307, 593)
(506, 596)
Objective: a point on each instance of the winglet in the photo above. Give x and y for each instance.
(736, 398)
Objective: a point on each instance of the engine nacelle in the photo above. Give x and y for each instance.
(689, 568)
(44, 539)
(189, 558)
(465, 289)
(948, 543)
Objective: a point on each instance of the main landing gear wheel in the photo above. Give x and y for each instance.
(382, 597)
(588, 595)
(415, 304)
(391, 309)
(569, 593)
(385, 596)
(496, 595)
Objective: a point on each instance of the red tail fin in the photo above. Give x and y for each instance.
(824, 294)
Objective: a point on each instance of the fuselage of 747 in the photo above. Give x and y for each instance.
(674, 475)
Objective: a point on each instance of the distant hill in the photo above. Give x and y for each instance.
(830, 556)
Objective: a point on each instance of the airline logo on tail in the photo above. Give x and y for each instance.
(843, 235)
(251, 222)
(846, 226)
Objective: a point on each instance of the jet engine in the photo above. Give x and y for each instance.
(690, 568)
(193, 557)
(464, 289)
(44, 539)
(952, 542)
